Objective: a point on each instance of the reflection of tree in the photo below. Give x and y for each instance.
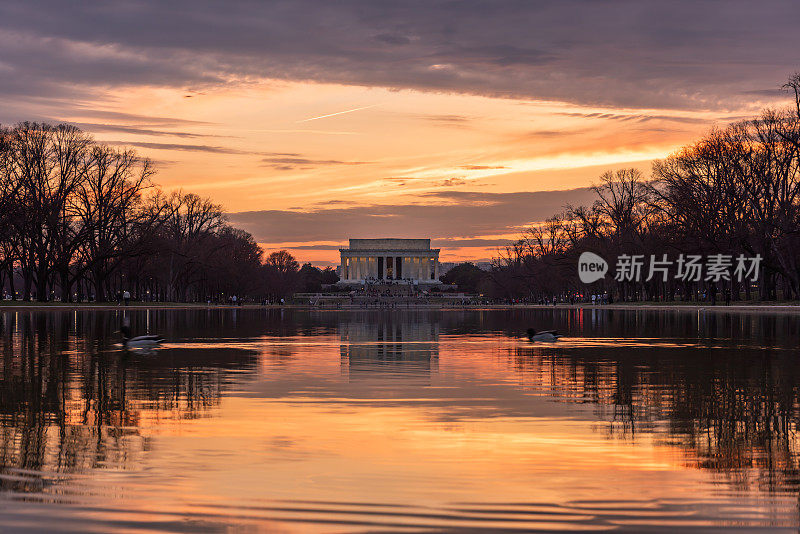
(701, 380)
(735, 412)
(70, 401)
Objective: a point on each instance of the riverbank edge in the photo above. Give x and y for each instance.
(780, 308)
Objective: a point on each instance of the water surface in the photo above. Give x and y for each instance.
(294, 421)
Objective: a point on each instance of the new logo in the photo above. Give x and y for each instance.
(591, 267)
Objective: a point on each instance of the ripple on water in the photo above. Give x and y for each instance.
(413, 421)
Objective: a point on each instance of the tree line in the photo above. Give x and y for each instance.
(84, 220)
(734, 192)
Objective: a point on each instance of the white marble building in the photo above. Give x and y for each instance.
(409, 260)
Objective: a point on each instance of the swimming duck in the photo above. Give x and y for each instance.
(138, 342)
(545, 335)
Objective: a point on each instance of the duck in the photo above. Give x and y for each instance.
(142, 342)
(138, 342)
(545, 335)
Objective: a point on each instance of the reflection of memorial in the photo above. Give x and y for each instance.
(389, 342)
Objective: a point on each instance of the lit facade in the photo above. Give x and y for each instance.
(375, 260)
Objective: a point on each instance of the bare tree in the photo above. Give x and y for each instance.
(110, 208)
(188, 233)
(74, 213)
(43, 166)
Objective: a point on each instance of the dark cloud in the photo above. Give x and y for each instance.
(297, 161)
(92, 127)
(283, 154)
(502, 55)
(335, 202)
(550, 134)
(392, 39)
(439, 215)
(681, 54)
(635, 117)
(181, 147)
(138, 120)
(448, 120)
(85, 118)
(769, 93)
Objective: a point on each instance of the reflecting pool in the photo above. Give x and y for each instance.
(399, 420)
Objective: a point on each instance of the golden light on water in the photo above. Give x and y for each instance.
(313, 420)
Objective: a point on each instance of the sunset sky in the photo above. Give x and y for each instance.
(312, 122)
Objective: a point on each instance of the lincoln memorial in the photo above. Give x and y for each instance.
(410, 260)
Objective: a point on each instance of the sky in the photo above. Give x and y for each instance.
(312, 122)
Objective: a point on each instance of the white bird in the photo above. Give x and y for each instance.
(545, 335)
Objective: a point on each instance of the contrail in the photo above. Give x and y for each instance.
(338, 113)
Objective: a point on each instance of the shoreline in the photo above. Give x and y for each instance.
(776, 308)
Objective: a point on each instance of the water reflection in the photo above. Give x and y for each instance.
(733, 411)
(441, 420)
(71, 400)
(389, 344)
